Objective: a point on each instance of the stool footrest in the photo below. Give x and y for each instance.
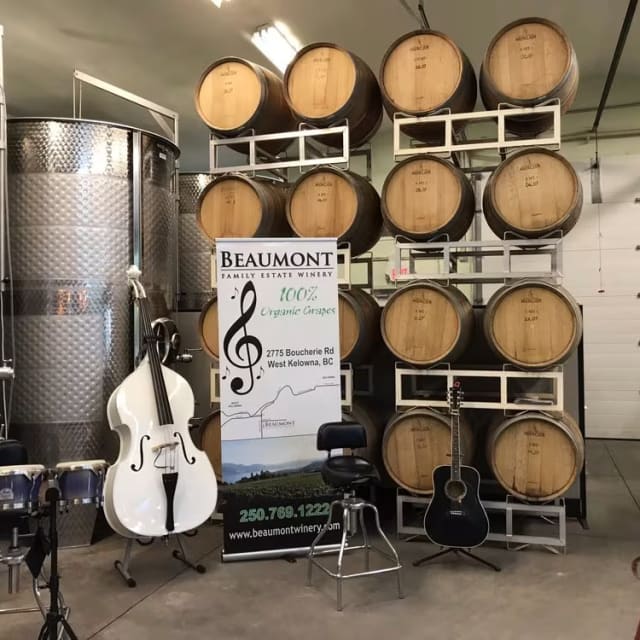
(352, 515)
(360, 574)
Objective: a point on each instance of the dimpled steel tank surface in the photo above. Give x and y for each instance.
(78, 192)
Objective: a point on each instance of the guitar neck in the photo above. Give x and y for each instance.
(456, 453)
(455, 394)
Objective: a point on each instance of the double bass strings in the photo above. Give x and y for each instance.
(162, 401)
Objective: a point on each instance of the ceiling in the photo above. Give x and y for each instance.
(158, 48)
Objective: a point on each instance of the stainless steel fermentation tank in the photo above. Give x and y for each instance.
(194, 258)
(86, 199)
(194, 247)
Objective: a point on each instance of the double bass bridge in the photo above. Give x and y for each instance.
(165, 445)
(172, 445)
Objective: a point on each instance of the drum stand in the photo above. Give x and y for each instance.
(122, 566)
(55, 617)
(14, 559)
(457, 552)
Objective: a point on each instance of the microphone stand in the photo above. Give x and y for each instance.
(54, 616)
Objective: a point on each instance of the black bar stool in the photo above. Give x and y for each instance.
(348, 473)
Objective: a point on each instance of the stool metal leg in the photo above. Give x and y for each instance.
(394, 553)
(343, 543)
(365, 539)
(321, 533)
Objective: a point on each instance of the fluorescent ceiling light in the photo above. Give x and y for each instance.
(218, 3)
(277, 43)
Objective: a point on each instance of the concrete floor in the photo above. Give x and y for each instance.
(589, 593)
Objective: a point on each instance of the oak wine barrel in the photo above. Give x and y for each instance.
(235, 206)
(415, 442)
(424, 197)
(208, 328)
(210, 441)
(327, 203)
(359, 321)
(533, 193)
(235, 97)
(535, 457)
(423, 72)
(533, 324)
(325, 84)
(530, 61)
(424, 323)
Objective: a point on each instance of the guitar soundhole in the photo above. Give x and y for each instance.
(455, 490)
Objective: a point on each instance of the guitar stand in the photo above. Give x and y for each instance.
(457, 552)
(122, 566)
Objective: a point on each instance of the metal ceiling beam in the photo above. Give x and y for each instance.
(617, 54)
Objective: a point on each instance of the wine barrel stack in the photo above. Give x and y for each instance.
(324, 86)
(533, 193)
(237, 98)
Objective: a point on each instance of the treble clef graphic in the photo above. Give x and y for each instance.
(247, 351)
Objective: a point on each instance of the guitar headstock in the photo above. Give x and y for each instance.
(455, 396)
(133, 278)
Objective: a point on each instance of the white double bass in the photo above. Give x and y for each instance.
(161, 482)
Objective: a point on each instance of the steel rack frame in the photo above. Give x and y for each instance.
(260, 161)
(553, 404)
(346, 380)
(552, 513)
(446, 256)
(499, 142)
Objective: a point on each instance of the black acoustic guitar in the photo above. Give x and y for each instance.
(455, 517)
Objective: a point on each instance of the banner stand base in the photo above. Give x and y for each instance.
(274, 553)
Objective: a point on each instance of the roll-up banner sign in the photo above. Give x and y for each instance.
(279, 381)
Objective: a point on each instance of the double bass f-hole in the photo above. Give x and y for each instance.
(247, 350)
(141, 443)
(190, 460)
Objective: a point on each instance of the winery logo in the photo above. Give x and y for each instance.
(271, 259)
(323, 182)
(530, 298)
(529, 166)
(525, 35)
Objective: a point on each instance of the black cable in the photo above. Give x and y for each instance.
(617, 54)
(423, 16)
